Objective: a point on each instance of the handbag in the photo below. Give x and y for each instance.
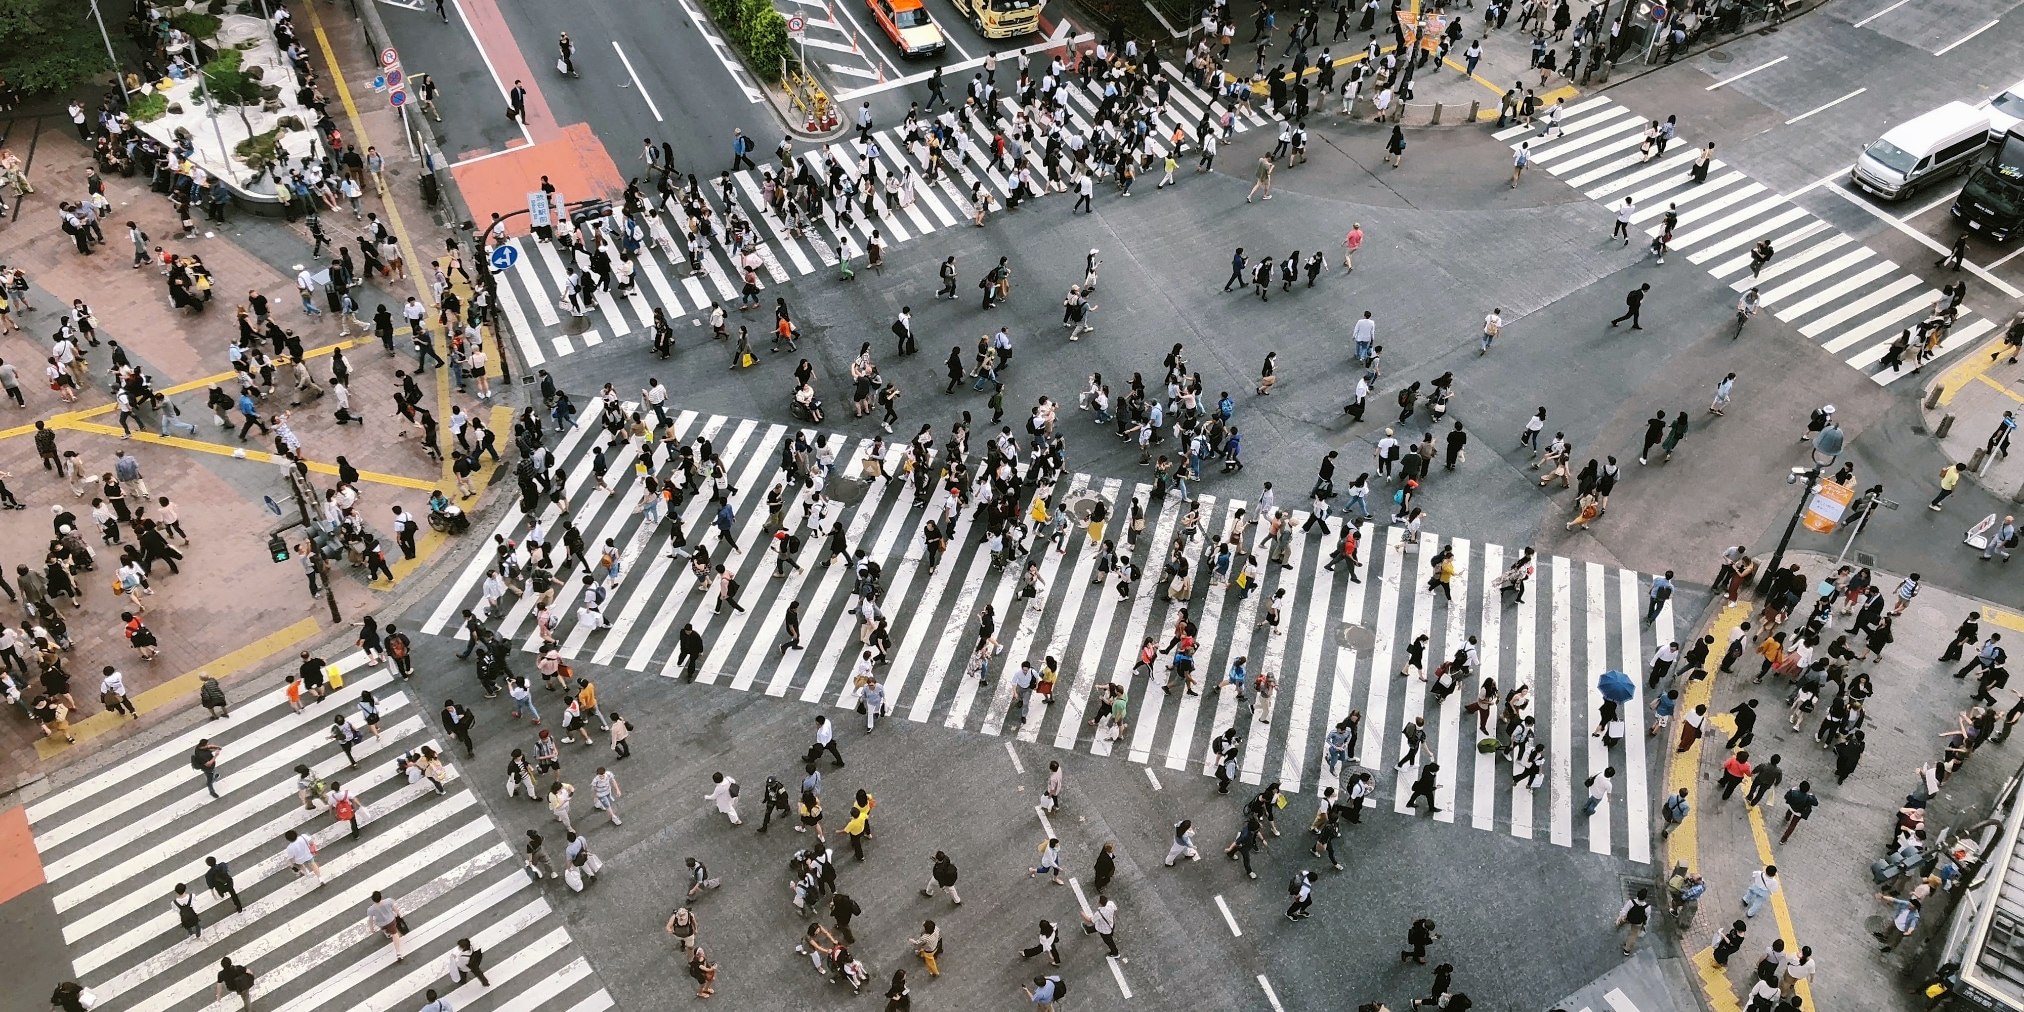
(573, 877)
(109, 698)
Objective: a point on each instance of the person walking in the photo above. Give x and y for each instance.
(1101, 921)
(383, 916)
(1183, 843)
(1800, 802)
(1424, 787)
(724, 792)
(218, 877)
(1635, 915)
(236, 978)
(942, 878)
(825, 741)
(1418, 937)
(1763, 883)
(1047, 944)
(204, 759)
(1633, 304)
(1301, 889)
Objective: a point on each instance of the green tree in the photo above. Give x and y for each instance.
(52, 45)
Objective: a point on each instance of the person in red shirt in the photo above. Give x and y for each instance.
(1734, 771)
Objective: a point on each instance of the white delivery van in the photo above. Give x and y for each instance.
(1937, 144)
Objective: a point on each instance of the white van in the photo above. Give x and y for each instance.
(1940, 143)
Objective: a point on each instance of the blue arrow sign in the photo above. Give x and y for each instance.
(504, 257)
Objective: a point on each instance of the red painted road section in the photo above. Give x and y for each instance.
(574, 161)
(20, 865)
(569, 155)
(489, 25)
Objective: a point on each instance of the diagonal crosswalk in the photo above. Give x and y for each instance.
(114, 847)
(1834, 290)
(532, 294)
(1338, 648)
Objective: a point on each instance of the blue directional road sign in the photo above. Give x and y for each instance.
(504, 257)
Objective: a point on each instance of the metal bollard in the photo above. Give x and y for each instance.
(1436, 121)
(1946, 425)
(1476, 111)
(1933, 396)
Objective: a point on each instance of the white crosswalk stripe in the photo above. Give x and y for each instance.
(117, 844)
(1854, 302)
(532, 294)
(1338, 648)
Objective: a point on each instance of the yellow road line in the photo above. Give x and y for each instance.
(64, 420)
(223, 450)
(2000, 388)
(2005, 618)
(1778, 909)
(1971, 367)
(1683, 770)
(176, 689)
(409, 250)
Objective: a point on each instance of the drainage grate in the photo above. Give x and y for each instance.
(1718, 56)
(1631, 885)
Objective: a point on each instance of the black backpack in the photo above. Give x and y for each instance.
(198, 759)
(1293, 887)
(1060, 988)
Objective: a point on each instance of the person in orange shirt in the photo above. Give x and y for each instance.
(1735, 770)
(294, 694)
(586, 698)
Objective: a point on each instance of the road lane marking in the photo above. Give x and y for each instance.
(1116, 971)
(1227, 919)
(1271, 997)
(1017, 767)
(1747, 73)
(622, 58)
(1151, 777)
(1881, 13)
(1998, 283)
(1824, 108)
(1951, 46)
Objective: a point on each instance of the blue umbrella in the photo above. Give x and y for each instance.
(1616, 687)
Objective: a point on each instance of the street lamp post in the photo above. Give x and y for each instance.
(118, 75)
(1809, 479)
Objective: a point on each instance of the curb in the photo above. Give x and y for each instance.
(1618, 75)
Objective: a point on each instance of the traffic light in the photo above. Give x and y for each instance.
(589, 212)
(277, 546)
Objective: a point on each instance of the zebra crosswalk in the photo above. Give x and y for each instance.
(1338, 645)
(114, 847)
(1833, 289)
(532, 294)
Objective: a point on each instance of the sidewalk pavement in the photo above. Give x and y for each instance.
(1506, 62)
(248, 611)
(1976, 390)
(1827, 900)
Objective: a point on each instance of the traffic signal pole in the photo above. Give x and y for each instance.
(298, 485)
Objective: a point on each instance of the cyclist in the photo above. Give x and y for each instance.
(1746, 307)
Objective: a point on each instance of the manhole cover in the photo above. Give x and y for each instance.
(1080, 505)
(1718, 56)
(1352, 636)
(849, 493)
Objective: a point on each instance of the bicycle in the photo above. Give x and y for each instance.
(1746, 307)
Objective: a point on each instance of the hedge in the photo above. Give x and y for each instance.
(758, 31)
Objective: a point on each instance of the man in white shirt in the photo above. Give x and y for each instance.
(305, 286)
(1598, 789)
(301, 855)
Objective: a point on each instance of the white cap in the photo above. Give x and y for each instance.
(1828, 410)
